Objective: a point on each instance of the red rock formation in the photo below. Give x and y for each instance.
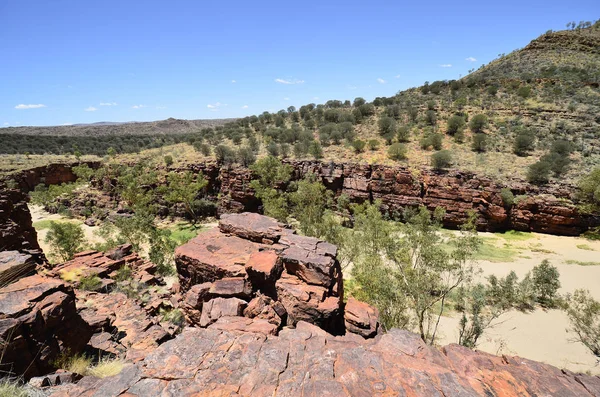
(546, 209)
(16, 230)
(306, 361)
(38, 321)
(292, 278)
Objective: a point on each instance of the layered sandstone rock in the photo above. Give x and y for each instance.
(38, 322)
(307, 361)
(16, 230)
(546, 210)
(256, 267)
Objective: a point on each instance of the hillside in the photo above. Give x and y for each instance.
(537, 103)
(160, 127)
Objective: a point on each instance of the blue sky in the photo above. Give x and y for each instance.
(81, 61)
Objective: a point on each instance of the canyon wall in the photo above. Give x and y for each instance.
(547, 209)
(538, 209)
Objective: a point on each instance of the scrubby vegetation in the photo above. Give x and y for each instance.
(530, 113)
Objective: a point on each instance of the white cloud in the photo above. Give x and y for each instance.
(67, 124)
(22, 106)
(316, 98)
(161, 107)
(233, 81)
(108, 104)
(215, 106)
(291, 81)
(245, 107)
(446, 65)
(471, 59)
(90, 109)
(138, 106)
(6, 123)
(397, 76)
(286, 99)
(352, 87)
(380, 80)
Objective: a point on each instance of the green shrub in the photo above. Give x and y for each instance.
(546, 282)
(168, 160)
(584, 315)
(524, 143)
(65, 239)
(403, 134)
(387, 126)
(397, 151)
(539, 173)
(455, 123)
(441, 159)
(589, 189)
(90, 283)
(478, 123)
(373, 144)
(508, 198)
(436, 141)
(359, 146)
(479, 143)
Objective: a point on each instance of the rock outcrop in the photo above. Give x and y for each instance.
(307, 361)
(16, 230)
(38, 322)
(546, 209)
(254, 266)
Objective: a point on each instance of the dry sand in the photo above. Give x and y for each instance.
(39, 214)
(541, 335)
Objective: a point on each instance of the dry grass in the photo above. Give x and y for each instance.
(106, 367)
(10, 163)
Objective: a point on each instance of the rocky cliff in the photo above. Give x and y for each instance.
(16, 230)
(538, 209)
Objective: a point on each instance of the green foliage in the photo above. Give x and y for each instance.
(90, 283)
(65, 239)
(441, 160)
(309, 203)
(403, 134)
(246, 156)
(508, 198)
(589, 189)
(455, 124)
(183, 187)
(524, 143)
(584, 315)
(168, 160)
(387, 126)
(479, 143)
(477, 314)
(271, 173)
(373, 144)
(546, 283)
(478, 123)
(539, 173)
(83, 172)
(224, 154)
(359, 146)
(12, 388)
(431, 117)
(524, 92)
(315, 150)
(397, 151)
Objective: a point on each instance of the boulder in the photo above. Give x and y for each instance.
(15, 265)
(361, 318)
(212, 255)
(266, 308)
(38, 322)
(251, 226)
(231, 287)
(310, 303)
(263, 269)
(220, 307)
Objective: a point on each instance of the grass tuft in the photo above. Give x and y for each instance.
(580, 263)
(106, 367)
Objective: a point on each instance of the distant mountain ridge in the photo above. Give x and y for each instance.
(160, 127)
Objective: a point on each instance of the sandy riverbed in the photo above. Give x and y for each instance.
(541, 335)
